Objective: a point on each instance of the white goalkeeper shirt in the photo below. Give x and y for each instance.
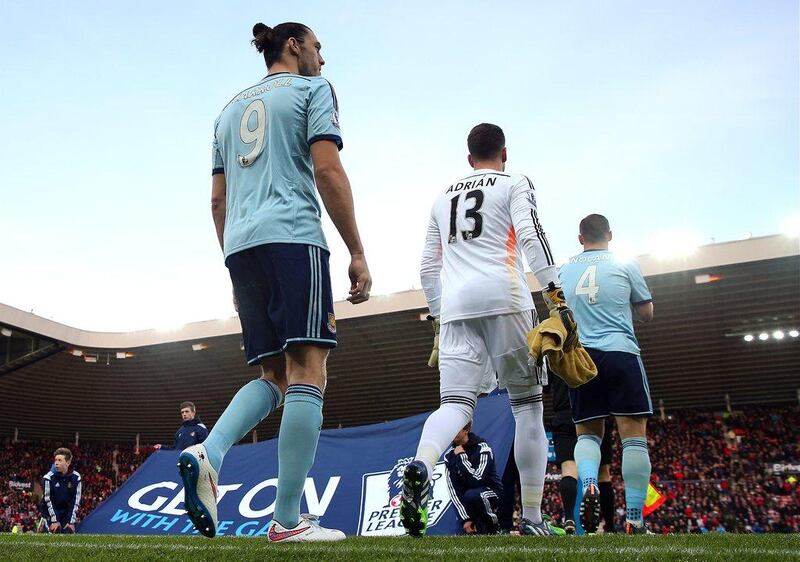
(479, 230)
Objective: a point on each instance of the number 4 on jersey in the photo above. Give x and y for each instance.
(587, 284)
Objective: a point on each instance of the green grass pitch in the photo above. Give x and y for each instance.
(573, 549)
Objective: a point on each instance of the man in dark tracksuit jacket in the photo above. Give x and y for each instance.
(191, 432)
(62, 494)
(474, 485)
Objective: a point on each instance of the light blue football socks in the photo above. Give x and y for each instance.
(636, 474)
(254, 402)
(297, 447)
(587, 457)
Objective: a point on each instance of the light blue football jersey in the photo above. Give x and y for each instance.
(600, 291)
(262, 143)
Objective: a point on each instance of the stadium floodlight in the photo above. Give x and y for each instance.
(6, 332)
(791, 226)
(794, 333)
(199, 346)
(749, 337)
(763, 336)
(777, 334)
(706, 278)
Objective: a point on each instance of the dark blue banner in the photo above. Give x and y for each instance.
(354, 484)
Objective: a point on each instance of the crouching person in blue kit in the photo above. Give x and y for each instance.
(474, 485)
(62, 494)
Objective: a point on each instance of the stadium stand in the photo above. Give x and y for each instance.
(717, 472)
(705, 303)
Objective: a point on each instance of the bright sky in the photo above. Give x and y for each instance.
(674, 118)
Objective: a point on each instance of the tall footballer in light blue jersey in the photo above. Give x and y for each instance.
(276, 145)
(262, 143)
(604, 295)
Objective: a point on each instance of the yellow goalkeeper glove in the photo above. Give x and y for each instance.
(433, 361)
(553, 296)
(557, 305)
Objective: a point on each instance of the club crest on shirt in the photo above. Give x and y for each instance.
(331, 323)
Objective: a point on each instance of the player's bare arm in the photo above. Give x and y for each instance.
(643, 311)
(334, 188)
(218, 188)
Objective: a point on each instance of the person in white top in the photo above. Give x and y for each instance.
(472, 275)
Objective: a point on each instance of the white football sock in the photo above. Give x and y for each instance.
(530, 453)
(439, 431)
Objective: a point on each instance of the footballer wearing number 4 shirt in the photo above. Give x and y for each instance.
(472, 275)
(606, 293)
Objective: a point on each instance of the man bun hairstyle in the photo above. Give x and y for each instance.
(486, 141)
(270, 40)
(595, 228)
(262, 35)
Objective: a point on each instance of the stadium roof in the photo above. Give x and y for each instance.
(57, 380)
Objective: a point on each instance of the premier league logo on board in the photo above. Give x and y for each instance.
(380, 500)
(396, 481)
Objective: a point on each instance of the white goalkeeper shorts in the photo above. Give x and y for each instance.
(472, 351)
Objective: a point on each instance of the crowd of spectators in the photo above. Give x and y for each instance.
(716, 472)
(102, 467)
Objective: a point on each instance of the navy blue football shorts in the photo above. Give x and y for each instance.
(619, 389)
(284, 295)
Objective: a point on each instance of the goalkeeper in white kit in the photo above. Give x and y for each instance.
(473, 279)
